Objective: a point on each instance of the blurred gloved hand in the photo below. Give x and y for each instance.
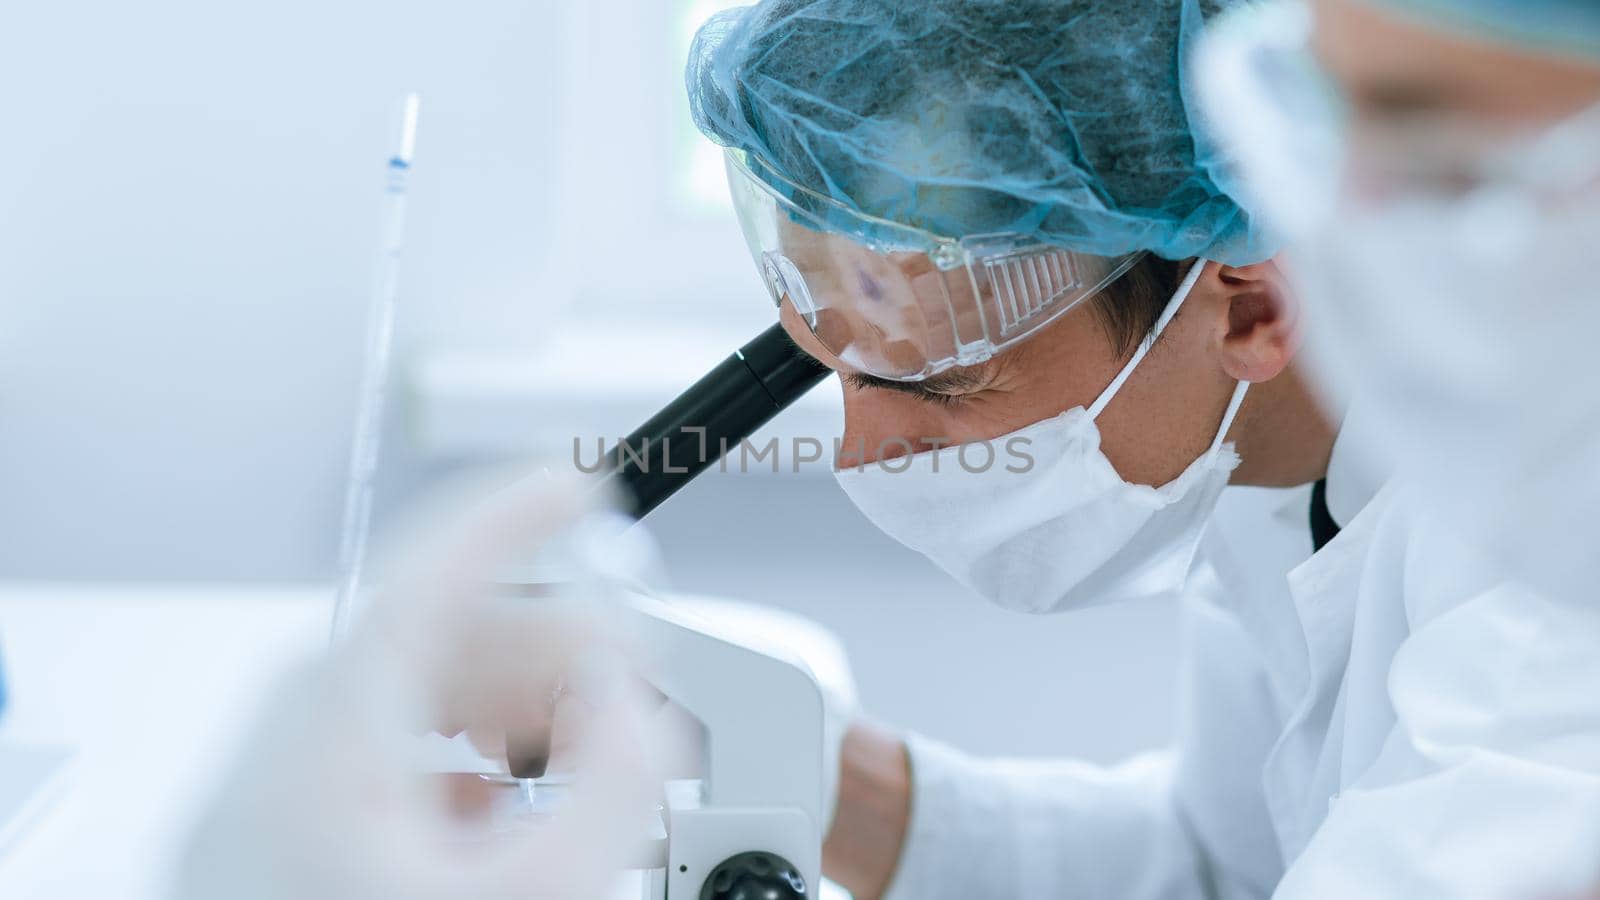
(325, 800)
(569, 556)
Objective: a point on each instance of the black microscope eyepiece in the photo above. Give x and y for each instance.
(727, 405)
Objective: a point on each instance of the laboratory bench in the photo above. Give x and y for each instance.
(148, 692)
(148, 689)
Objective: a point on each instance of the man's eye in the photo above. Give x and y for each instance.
(916, 389)
(938, 399)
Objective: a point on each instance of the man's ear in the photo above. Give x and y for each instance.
(1263, 329)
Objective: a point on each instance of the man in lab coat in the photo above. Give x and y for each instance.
(1395, 719)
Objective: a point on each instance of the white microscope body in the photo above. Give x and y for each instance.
(752, 826)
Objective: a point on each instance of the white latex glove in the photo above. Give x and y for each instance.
(542, 528)
(325, 801)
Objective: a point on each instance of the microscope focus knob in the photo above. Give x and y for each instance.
(754, 876)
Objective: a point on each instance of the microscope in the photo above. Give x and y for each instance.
(750, 828)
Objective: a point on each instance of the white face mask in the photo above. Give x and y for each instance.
(1053, 526)
(1465, 326)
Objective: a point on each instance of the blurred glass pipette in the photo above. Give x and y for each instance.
(375, 373)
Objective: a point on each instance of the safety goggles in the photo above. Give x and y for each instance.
(893, 301)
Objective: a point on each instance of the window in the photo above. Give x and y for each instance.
(699, 186)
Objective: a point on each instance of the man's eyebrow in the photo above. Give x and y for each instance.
(953, 381)
(1407, 97)
(1398, 88)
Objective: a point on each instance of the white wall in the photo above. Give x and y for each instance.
(188, 212)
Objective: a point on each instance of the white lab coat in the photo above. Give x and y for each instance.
(1392, 722)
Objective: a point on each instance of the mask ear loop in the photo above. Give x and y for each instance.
(1227, 417)
(1185, 288)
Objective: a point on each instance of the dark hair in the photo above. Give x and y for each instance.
(1130, 306)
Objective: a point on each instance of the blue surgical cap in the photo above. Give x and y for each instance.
(1071, 121)
(1555, 26)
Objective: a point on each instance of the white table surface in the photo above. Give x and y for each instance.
(151, 687)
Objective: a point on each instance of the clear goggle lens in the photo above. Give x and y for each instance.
(877, 297)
